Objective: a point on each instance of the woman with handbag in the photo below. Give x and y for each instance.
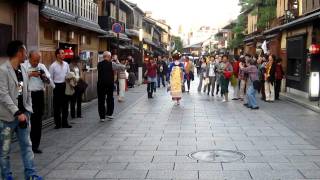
(226, 71)
(79, 89)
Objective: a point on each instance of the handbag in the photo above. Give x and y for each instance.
(81, 86)
(227, 74)
(257, 85)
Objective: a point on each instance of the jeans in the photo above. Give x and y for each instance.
(23, 135)
(161, 78)
(251, 96)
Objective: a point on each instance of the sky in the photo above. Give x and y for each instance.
(192, 13)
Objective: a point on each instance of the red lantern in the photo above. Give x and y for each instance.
(314, 49)
(68, 53)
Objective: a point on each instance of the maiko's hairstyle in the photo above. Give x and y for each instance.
(58, 51)
(14, 47)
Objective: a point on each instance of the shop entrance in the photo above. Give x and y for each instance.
(297, 77)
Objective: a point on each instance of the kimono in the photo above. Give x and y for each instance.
(176, 80)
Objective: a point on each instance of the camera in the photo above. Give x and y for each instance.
(43, 76)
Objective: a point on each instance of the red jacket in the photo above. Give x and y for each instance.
(236, 68)
(152, 70)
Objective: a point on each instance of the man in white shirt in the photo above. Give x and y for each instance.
(39, 77)
(58, 71)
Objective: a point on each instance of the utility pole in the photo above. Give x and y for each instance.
(118, 21)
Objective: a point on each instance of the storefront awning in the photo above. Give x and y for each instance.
(132, 32)
(68, 18)
(112, 35)
(147, 41)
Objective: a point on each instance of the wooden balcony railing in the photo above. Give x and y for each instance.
(85, 9)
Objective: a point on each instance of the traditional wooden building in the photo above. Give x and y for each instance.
(19, 20)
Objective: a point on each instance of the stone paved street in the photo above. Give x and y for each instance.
(150, 139)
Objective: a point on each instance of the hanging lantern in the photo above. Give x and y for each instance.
(314, 49)
(69, 53)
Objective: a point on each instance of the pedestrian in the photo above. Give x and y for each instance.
(105, 85)
(161, 71)
(71, 83)
(122, 77)
(176, 79)
(270, 79)
(39, 77)
(235, 78)
(80, 88)
(151, 74)
(261, 69)
(15, 110)
(132, 72)
(242, 79)
(189, 72)
(58, 71)
(211, 72)
(218, 61)
(202, 73)
(279, 76)
(252, 72)
(116, 80)
(226, 71)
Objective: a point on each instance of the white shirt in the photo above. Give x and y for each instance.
(211, 70)
(77, 73)
(58, 72)
(35, 83)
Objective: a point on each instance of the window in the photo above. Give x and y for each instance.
(6, 37)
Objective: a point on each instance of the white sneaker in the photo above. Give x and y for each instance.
(224, 100)
(102, 120)
(110, 118)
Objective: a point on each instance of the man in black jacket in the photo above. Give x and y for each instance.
(105, 85)
(162, 69)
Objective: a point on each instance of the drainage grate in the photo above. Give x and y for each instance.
(217, 156)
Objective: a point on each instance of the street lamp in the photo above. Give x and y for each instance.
(142, 56)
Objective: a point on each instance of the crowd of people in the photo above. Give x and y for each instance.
(246, 74)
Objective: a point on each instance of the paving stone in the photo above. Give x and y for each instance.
(150, 166)
(125, 174)
(72, 174)
(275, 174)
(173, 174)
(292, 166)
(245, 166)
(198, 166)
(222, 175)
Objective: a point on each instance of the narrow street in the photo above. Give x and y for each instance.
(150, 139)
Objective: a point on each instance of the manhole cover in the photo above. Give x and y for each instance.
(217, 156)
